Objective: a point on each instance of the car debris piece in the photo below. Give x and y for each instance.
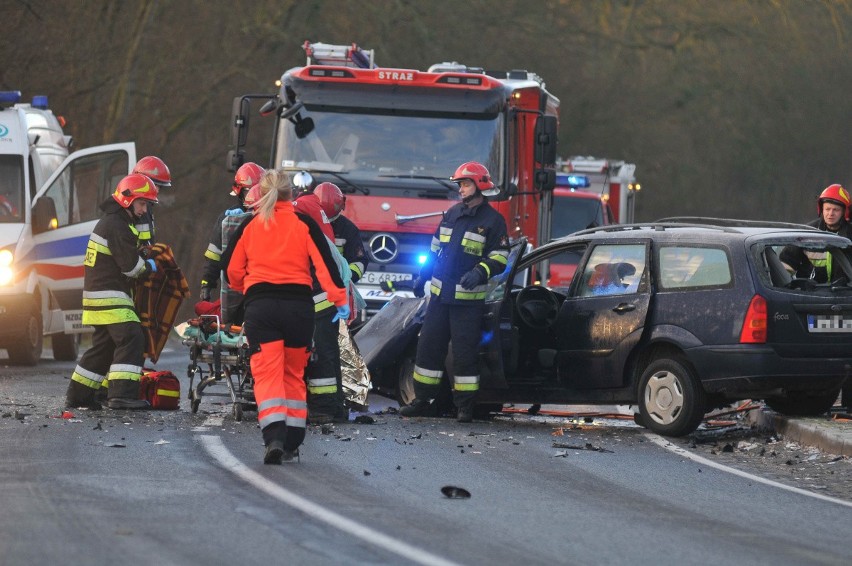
(364, 419)
(587, 446)
(452, 492)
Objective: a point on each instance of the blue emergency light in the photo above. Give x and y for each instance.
(572, 181)
(40, 101)
(421, 259)
(10, 96)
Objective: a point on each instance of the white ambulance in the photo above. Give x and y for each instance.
(49, 204)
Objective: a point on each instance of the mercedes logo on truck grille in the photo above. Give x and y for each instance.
(383, 248)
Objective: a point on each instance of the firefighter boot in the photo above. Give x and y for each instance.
(417, 408)
(465, 414)
(124, 394)
(78, 396)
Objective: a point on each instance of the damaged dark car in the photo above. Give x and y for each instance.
(675, 317)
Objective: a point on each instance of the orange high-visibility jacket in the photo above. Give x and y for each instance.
(282, 253)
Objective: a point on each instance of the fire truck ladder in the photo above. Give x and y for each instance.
(339, 55)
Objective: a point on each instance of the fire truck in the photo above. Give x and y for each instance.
(589, 192)
(390, 139)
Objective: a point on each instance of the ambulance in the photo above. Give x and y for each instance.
(49, 205)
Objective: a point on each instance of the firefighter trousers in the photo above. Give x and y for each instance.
(325, 379)
(460, 325)
(279, 333)
(116, 358)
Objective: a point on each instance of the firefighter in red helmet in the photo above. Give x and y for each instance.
(112, 262)
(247, 176)
(155, 169)
(469, 247)
(833, 210)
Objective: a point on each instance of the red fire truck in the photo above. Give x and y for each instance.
(390, 139)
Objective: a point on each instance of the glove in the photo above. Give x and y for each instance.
(472, 278)
(152, 265)
(205, 293)
(418, 290)
(342, 313)
(234, 212)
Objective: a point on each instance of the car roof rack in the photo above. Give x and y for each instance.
(734, 222)
(658, 226)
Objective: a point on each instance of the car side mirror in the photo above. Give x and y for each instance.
(44, 216)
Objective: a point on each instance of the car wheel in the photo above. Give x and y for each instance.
(26, 349)
(671, 399)
(65, 347)
(405, 382)
(804, 404)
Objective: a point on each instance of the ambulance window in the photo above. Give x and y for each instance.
(78, 192)
(11, 188)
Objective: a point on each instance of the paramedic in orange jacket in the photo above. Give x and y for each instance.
(270, 263)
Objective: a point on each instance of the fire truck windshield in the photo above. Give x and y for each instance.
(385, 152)
(11, 188)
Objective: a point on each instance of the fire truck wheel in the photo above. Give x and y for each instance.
(26, 349)
(65, 347)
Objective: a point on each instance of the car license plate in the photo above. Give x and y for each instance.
(829, 323)
(376, 277)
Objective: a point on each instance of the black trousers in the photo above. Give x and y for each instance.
(325, 379)
(116, 358)
(460, 325)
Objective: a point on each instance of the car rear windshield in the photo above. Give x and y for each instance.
(805, 264)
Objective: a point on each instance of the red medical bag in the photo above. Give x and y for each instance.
(161, 389)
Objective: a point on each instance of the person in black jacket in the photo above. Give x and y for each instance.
(832, 207)
(112, 261)
(470, 246)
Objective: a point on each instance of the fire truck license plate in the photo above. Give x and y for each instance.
(829, 323)
(376, 277)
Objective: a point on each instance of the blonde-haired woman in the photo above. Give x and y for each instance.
(270, 263)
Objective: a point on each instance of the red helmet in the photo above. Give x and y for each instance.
(155, 169)
(133, 187)
(477, 173)
(834, 194)
(331, 199)
(247, 176)
(250, 201)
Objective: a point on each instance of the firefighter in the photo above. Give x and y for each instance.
(271, 265)
(832, 209)
(469, 247)
(347, 240)
(112, 261)
(155, 169)
(247, 175)
(325, 391)
(347, 236)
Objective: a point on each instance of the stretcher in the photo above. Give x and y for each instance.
(218, 354)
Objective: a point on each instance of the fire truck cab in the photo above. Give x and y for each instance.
(391, 138)
(48, 208)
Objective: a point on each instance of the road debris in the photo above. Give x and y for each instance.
(452, 492)
(587, 446)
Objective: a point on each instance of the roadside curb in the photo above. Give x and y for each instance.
(819, 432)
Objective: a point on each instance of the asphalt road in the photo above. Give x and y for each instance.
(105, 487)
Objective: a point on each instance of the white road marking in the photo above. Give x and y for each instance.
(215, 447)
(211, 421)
(662, 442)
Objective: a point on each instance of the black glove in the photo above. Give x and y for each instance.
(205, 293)
(418, 290)
(472, 278)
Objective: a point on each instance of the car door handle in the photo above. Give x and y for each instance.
(624, 307)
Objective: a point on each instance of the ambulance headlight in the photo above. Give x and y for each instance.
(6, 272)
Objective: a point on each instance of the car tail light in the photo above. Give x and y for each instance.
(754, 325)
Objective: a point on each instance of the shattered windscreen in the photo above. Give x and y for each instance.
(11, 188)
(810, 263)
